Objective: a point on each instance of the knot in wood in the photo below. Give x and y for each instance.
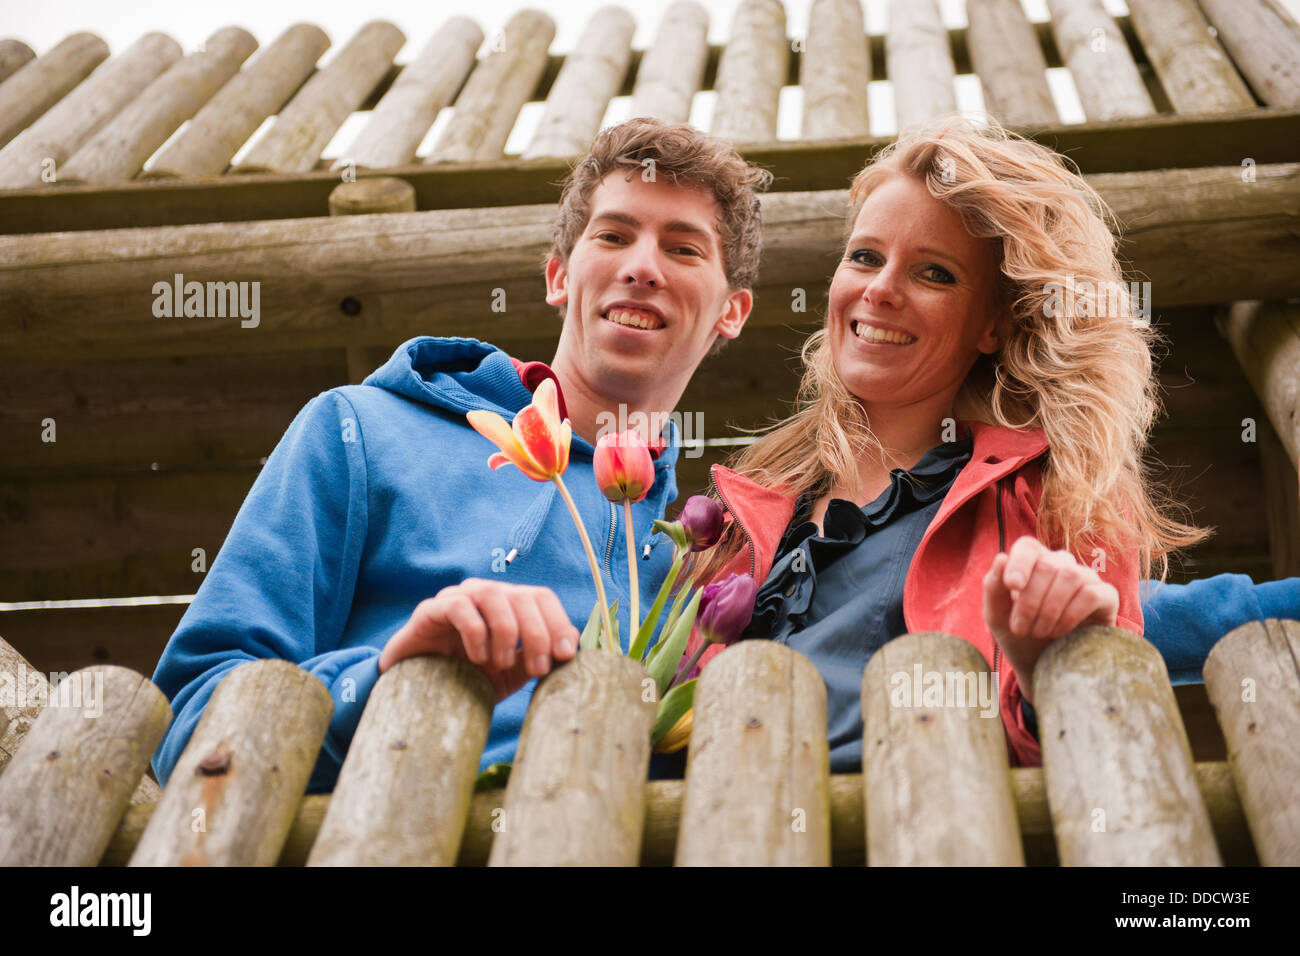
(214, 764)
(53, 755)
(350, 306)
(753, 723)
(1112, 709)
(399, 744)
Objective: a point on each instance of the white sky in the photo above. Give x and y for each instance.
(122, 22)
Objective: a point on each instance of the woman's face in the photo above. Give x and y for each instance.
(912, 302)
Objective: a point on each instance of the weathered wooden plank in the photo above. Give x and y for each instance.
(663, 811)
(920, 62)
(1120, 777)
(66, 639)
(1101, 66)
(672, 69)
(119, 150)
(591, 76)
(1123, 145)
(1005, 52)
(751, 72)
(234, 792)
(1198, 235)
(305, 126)
(934, 766)
(40, 83)
(576, 795)
(83, 112)
(14, 55)
(1264, 41)
(1254, 682)
(757, 774)
(403, 117)
(64, 793)
(501, 83)
(834, 71)
(1265, 337)
(1281, 502)
(404, 791)
(1196, 74)
(225, 122)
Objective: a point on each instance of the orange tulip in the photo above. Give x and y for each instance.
(537, 443)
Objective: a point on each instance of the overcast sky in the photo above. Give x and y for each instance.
(120, 23)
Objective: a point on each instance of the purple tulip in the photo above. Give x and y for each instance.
(726, 607)
(702, 519)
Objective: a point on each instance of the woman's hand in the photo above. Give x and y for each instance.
(1033, 595)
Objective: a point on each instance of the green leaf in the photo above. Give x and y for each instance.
(591, 633)
(613, 622)
(637, 650)
(497, 774)
(676, 610)
(675, 703)
(666, 656)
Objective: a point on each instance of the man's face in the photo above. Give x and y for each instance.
(645, 291)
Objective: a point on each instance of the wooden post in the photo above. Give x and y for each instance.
(486, 109)
(403, 117)
(934, 758)
(757, 774)
(672, 69)
(363, 197)
(1120, 777)
(403, 793)
(234, 791)
(919, 59)
(65, 791)
(1282, 500)
(576, 795)
(118, 151)
(309, 121)
(14, 55)
(591, 76)
(41, 83)
(1005, 53)
(1254, 681)
(224, 124)
(17, 720)
(1264, 41)
(1265, 337)
(83, 112)
(834, 71)
(751, 71)
(1196, 74)
(1103, 70)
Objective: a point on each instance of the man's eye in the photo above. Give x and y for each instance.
(689, 250)
(610, 236)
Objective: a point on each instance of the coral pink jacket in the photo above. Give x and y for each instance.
(993, 501)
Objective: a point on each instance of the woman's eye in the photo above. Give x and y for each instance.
(864, 257)
(940, 274)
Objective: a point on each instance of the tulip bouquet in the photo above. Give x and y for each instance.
(537, 443)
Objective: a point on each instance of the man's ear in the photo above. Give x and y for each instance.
(734, 313)
(557, 281)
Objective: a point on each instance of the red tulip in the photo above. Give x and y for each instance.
(623, 466)
(537, 443)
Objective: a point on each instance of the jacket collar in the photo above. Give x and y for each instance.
(765, 513)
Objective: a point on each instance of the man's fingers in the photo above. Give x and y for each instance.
(433, 629)
(564, 636)
(533, 634)
(503, 625)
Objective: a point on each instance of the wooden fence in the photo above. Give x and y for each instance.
(1119, 785)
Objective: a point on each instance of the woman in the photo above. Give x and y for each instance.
(966, 455)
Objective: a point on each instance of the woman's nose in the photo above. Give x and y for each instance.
(883, 288)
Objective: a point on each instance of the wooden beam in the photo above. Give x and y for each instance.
(1266, 340)
(1198, 235)
(1147, 143)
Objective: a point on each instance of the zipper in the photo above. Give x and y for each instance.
(609, 545)
(740, 524)
(1002, 547)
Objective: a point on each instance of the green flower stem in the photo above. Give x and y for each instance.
(591, 558)
(635, 624)
(690, 666)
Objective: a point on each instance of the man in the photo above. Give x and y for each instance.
(375, 532)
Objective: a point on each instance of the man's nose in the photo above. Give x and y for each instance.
(644, 265)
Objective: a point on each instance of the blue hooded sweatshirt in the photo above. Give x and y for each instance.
(377, 497)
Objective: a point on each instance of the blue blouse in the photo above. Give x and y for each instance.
(837, 602)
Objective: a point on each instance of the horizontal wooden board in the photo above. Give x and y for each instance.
(68, 639)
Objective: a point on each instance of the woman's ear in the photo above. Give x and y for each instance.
(997, 332)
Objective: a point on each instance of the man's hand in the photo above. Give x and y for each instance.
(486, 622)
(1033, 595)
